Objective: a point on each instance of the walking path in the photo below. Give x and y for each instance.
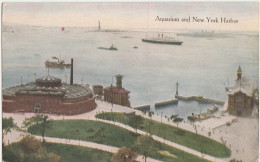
(167, 142)
(92, 145)
(16, 136)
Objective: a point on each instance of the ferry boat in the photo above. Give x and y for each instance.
(56, 64)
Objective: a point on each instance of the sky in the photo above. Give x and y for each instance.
(133, 15)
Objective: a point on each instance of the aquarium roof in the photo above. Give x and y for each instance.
(65, 90)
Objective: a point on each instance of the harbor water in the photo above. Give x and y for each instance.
(201, 66)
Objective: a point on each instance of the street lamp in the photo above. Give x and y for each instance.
(78, 135)
(161, 116)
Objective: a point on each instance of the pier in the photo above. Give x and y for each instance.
(200, 99)
(143, 107)
(166, 103)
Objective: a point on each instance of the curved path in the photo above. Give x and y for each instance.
(93, 145)
(170, 143)
(15, 136)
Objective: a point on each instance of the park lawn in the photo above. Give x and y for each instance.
(88, 130)
(108, 134)
(69, 153)
(177, 135)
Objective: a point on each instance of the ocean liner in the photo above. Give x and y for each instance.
(162, 40)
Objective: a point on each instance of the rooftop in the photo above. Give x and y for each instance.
(244, 85)
(117, 90)
(66, 90)
(49, 81)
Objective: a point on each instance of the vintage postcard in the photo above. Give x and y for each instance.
(130, 81)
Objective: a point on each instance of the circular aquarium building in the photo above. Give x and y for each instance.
(48, 95)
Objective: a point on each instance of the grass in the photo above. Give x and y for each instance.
(108, 134)
(92, 131)
(69, 153)
(180, 136)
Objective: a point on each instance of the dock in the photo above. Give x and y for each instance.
(200, 99)
(166, 103)
(143, 107)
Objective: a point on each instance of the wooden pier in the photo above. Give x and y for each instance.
(166, 103)
(143, 107)
(200, 99)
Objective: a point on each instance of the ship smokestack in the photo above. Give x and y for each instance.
(71, 72)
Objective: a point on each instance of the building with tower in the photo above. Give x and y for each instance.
(241, 96)
(117, 94)
(98, 90)
(49, 95)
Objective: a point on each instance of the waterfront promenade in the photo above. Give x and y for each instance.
(241, 145)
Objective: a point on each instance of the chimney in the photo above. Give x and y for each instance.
(71, 72)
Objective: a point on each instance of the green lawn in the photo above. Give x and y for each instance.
(69, 153)
(186, 138)
(108, 134)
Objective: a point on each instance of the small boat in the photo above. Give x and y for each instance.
(228, 88)
(126, 37)
(56, 64)
(112, 47)
(135, 47)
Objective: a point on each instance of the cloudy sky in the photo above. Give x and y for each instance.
(133, 15)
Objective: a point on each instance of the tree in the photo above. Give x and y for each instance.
(177, 120)
(150, 114)
(8, 124)
(173, 116)
(234, 160)
(124, 155)
(28, 149)
(145, 146)
(40, 121)
(136, 121)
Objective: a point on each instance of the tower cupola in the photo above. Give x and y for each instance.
(119, 81)
(239, 73)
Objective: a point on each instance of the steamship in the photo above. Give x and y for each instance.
(162, 41)
(58, 64)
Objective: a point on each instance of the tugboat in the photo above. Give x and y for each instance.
(135, 47)
(161, 40)
(126, 37)
(58, 64)
(112, 47)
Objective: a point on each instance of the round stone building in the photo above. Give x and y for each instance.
(48, 95)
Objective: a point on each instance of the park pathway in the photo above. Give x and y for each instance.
(92, 145)
(170, 143)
